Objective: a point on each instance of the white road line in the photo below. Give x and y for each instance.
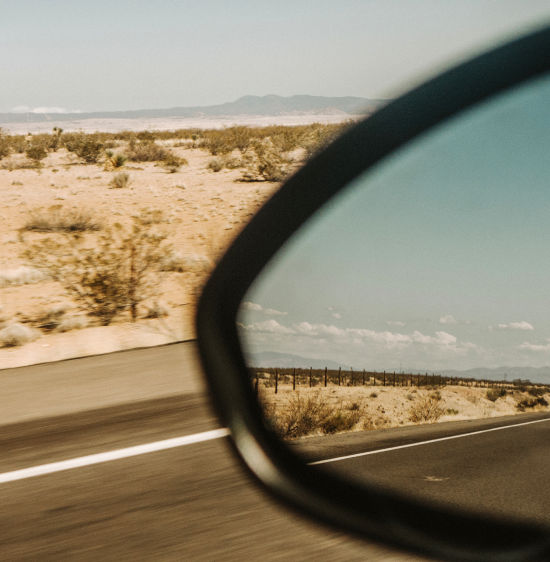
(112, 455)
(425, 442)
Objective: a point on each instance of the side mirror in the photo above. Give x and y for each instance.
(441, 198)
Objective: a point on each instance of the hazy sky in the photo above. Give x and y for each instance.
(438, 259)
(105, 55)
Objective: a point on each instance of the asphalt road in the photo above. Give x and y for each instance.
(498, 466)
(192, 503)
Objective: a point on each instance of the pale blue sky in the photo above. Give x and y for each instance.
(105, 55)
(438, 259)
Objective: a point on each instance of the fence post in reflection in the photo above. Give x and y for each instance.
(256, 385)
(339, 376)
(294, 379)
(384, 384)
(351, 377)
(363, 377)
(276, 381)
(374, 378)
(394, 378)
(325, 376)
(310, 377)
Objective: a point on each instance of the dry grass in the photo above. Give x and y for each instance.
(59, 219)
(12, 164)
(321, 411)
(109, 277)
(301, 413)
(146, 152)
(120, 181)
(427, 409)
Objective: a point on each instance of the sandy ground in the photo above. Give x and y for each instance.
(170, 124)
(380, 407)
(203, 210)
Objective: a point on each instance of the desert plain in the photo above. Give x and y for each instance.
(201, 211)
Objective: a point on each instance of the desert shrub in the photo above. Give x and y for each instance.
(36, 152)
(426, 409)
(114, 160)
(120, 180)
(173, 163)
(5, 145)
(339, 422)
(146, 152)
(150, 136)
(23, 275)
(319, 137)
(55, 139)
(302, 414)
(373, 395)
(87, 147)
(17, 334)
(58, 219)
(17, 143)
(493, 394)
(264, 162)
(216, 164)
(20, 164)
(239, 137)
(233, 163)
(537, 391)
(288, 139)
(451, 412)
(112, 276)
(217, 141)
(531, 403)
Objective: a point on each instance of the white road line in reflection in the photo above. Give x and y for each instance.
(425, 442)
(112, 455)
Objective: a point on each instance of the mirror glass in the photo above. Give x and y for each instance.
(402, 336)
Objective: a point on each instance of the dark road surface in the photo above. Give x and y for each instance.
(194, 502)
(498, 466)
(191, 503)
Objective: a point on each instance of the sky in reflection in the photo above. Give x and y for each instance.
(437, 259)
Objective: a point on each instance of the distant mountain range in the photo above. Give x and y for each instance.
(539, 375)
(275, 359)
(270, 105)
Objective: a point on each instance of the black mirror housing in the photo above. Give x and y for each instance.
(367, 511)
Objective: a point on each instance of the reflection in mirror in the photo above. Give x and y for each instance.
(402, 337)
